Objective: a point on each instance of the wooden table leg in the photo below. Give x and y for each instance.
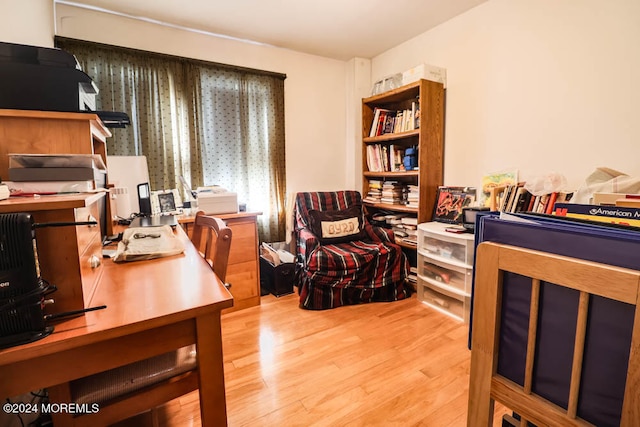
(213, 406)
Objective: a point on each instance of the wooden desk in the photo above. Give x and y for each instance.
(152, 307)
(243, 271)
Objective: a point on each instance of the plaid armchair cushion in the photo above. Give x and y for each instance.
(371, 268)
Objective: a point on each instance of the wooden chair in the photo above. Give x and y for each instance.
(212, 238)
(213, 233)
(589, 279)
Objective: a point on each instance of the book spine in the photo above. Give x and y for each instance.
(551, 202)
(374, 123)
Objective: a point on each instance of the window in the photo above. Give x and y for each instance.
(211, 123)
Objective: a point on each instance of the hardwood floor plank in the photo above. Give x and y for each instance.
(385, 364)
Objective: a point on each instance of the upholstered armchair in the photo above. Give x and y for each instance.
(342, 258)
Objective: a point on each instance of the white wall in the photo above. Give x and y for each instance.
(315, 88)
(27, 22)
(358, 87)
(541, 86)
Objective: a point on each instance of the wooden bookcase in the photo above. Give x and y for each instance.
(428, 137)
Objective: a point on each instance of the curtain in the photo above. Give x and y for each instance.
(210, 123)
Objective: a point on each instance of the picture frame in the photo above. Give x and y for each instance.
(165, 202)
(450, 201)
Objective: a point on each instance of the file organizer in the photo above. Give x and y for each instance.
(610, 322)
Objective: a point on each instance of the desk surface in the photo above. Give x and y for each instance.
(139, 295)
(189, 218)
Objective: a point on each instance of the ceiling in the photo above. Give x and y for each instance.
(340, 29)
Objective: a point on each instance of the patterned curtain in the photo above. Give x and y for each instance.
(211, 124)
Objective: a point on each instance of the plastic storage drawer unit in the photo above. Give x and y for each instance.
(445, 269)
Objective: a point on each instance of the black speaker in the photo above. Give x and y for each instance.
(21, 289)
(144, 199)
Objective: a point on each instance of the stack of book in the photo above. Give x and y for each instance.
(375, 191)
(413, 199)
(410, 227)
(394, 193)
(403, 225)
(55, 173)
(413, 276)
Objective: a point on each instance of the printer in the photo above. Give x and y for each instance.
(49, 79)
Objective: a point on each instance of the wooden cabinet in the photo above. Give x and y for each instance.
(445, 269)
(48, 132)
(69, 256)
(243, 269)
(427, 136)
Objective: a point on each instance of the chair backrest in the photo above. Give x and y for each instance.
(322, 201)
(212, 238)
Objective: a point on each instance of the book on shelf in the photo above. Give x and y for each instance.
(413, 196)
(374, 123)
(610, 214)
(385, 158)
(375, 191)
(410, 221)
(413, 275)
(516, 198)
(394, 192)
(387, 121)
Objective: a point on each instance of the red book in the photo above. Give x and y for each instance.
(552, 201)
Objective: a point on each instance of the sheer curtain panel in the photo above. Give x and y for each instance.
(211, 123)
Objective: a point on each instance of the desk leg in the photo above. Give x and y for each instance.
(213, 407)
(61, 394)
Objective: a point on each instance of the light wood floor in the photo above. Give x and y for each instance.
(391, 364)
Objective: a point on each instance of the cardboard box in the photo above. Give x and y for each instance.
(427, 72)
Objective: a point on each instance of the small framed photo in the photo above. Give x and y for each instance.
(165, 202)
(450, 201)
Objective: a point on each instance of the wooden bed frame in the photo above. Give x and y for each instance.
(589, 278)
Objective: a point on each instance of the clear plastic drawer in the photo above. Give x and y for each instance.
(445, 274)
(434, 241)
(444, 301)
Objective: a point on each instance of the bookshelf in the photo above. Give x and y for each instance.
(421, 126)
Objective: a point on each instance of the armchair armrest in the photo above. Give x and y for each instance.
(306, 243)
(379, 234)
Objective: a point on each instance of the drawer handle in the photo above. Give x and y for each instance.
(94, 261)
(91, 218)
(441, 302)
(227, 285)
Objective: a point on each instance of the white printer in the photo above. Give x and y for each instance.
(216, 200)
